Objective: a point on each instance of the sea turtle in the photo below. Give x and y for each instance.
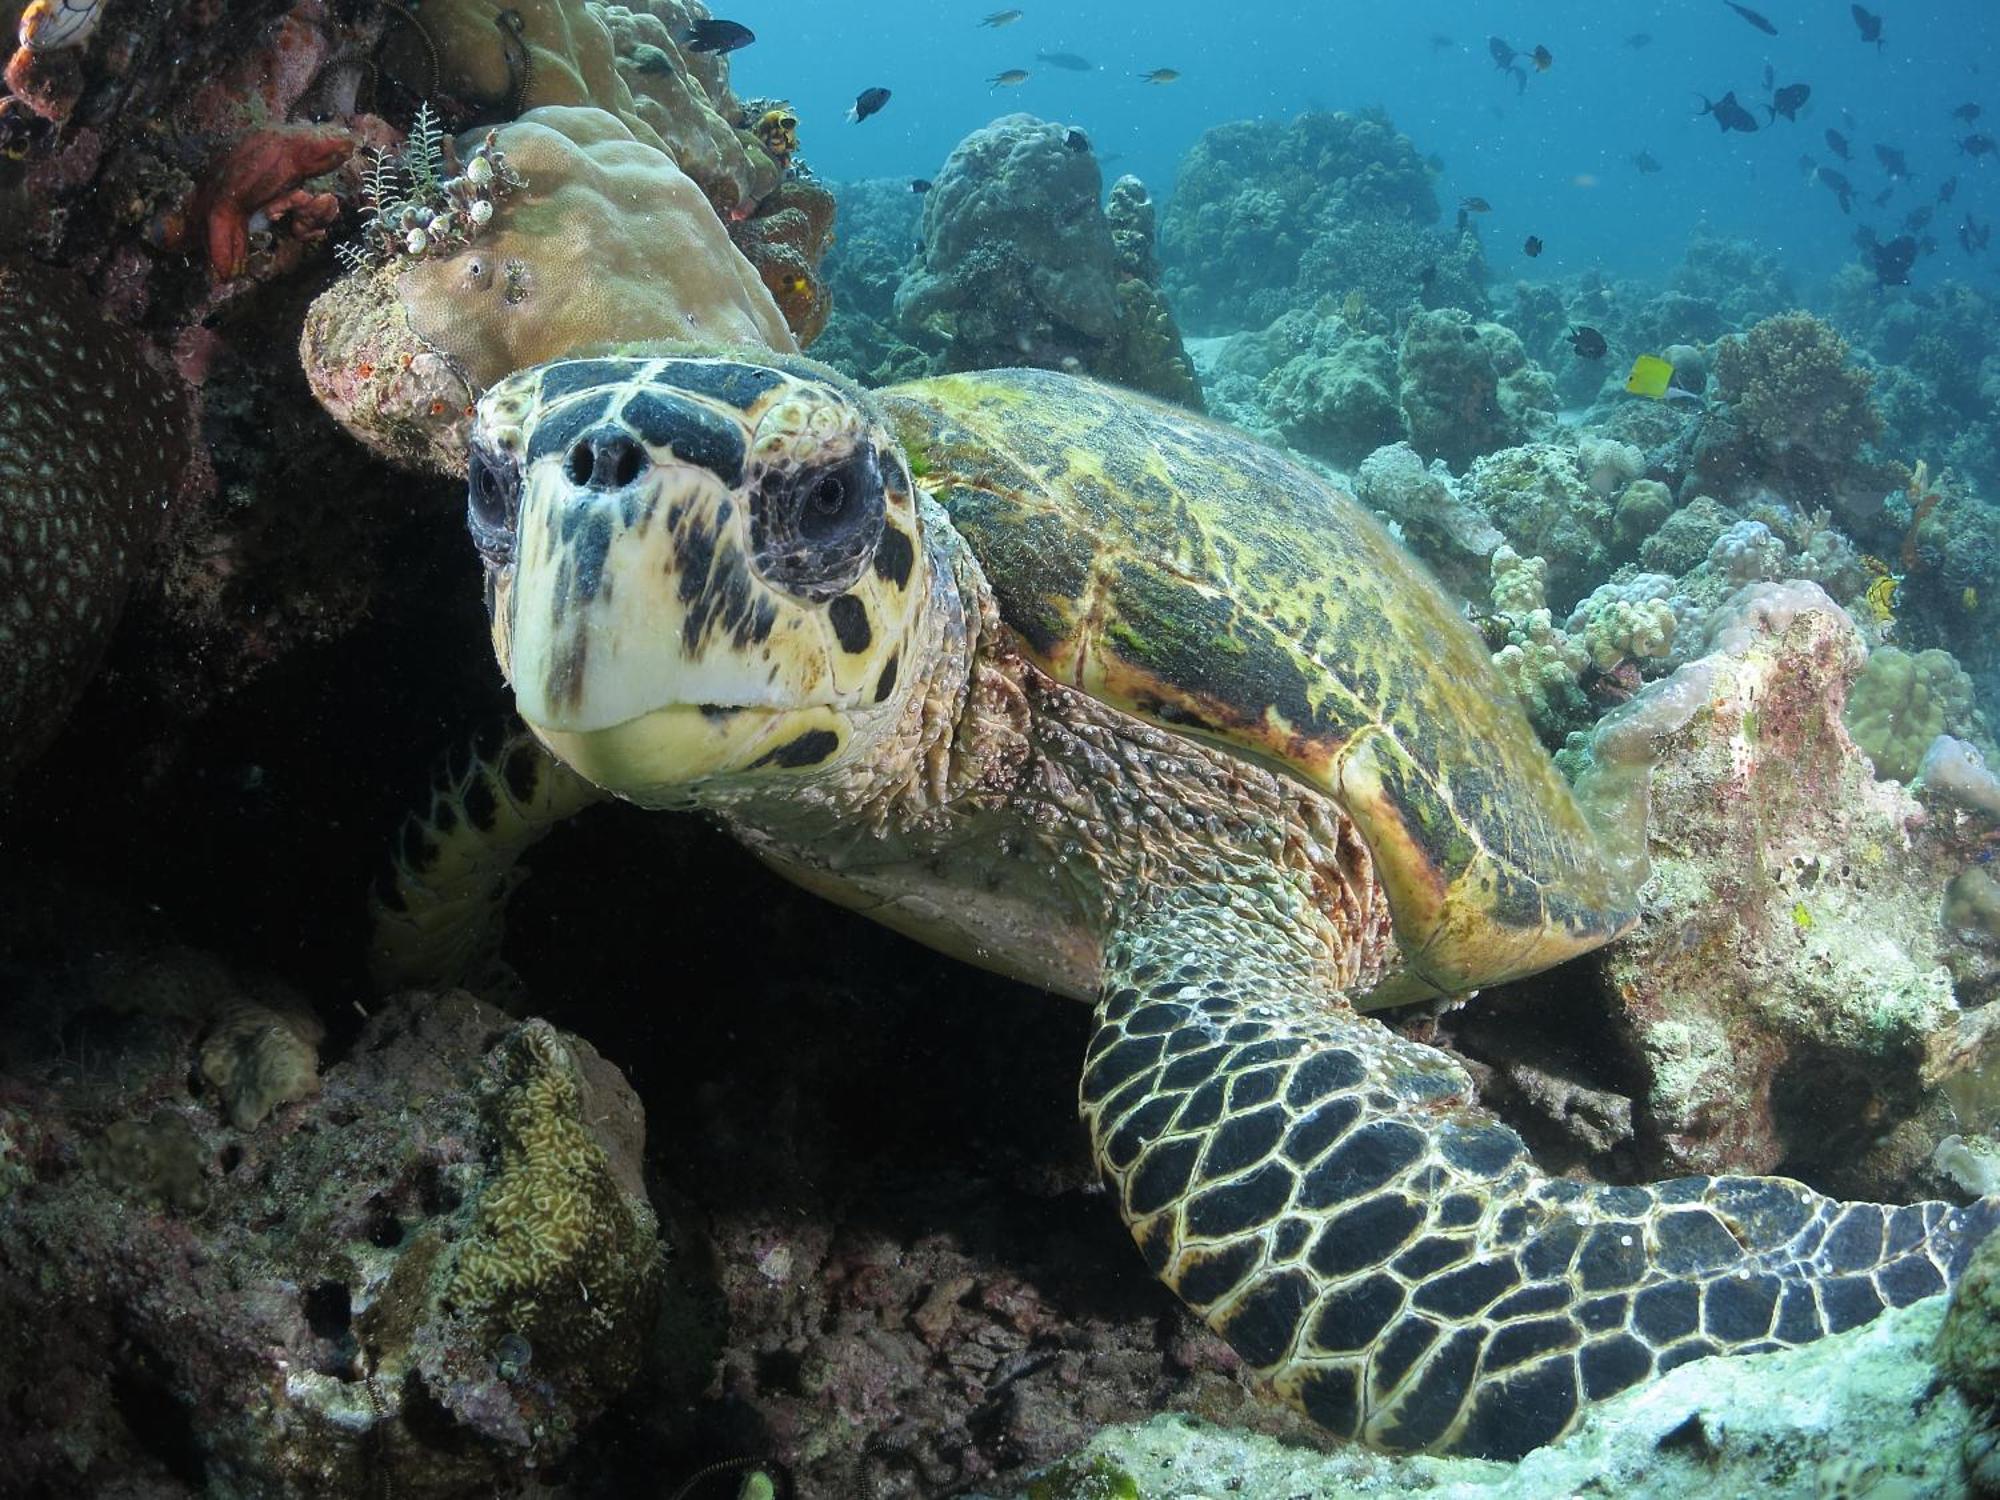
(1094, 692)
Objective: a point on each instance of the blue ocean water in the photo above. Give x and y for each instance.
(1553, 158)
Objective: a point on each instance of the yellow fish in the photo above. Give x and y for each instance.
(1970, 599)
(1881, 598)
(1650, 376)
(1801, 918)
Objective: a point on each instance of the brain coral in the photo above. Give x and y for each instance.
(563, 1255)
(609, 240)
(92, 444)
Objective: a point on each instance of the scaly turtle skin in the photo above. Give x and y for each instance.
(1137, 709)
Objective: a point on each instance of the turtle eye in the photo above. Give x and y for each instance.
(492, 505)
(813, 530)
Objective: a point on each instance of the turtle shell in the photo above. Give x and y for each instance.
(1187, 573)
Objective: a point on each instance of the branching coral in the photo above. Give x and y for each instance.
(1791, 386)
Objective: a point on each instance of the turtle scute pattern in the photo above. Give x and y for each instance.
(1178, 569)
(1326, 1195)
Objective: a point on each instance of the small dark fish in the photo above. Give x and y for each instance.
(1752, 17)
(1441, 43)
(1947, 189)
(1892, 161)
(1729, 114)
(1870, 24)
(1837, 144)
(1162, 75)
(1639, 40)
(1788, 101)
(1077, 141)
(1966, 113)
(1842, 188)
(866, 103)
(1587, 343)
(1503, 55)
(1918, 219)
(1893, 261)
(1770, 77)
(1533, 247)
(1977, 145)
(1885, 195)
(716, 36)
(1543, 58)
(1012, 78)
(1068, 60)
(1973, 235)
(920, 184)
(1475, 205)
(1002, 18)
(1427, 280)
(1646, 162)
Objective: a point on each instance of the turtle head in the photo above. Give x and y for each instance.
(700, 571)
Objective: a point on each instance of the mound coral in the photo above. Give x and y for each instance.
(1903, 701)
(607, 241)
(1265, 217)
(1020, 265)
(628, 62)
(1469, 388)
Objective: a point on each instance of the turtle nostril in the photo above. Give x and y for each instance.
(605, 461)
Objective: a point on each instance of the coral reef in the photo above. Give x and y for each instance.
(1779, 1000)
(93, 441)
(1902, 702)
(629, 62)
(1468, 388)
(1020, 265)
(785, 242)
(285, 1305)
(1340, 404)
(877, 224)
(1431, 515)
(608, 240)
(1798, 417)
(1540, 497)
(1266, 217)
(1862, 1414)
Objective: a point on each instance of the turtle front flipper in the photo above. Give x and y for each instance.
(1329, 1198)
(439, 909)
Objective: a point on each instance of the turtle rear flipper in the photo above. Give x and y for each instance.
(438, 911)
(1332, 1201)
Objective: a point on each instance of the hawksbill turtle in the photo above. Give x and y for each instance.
(1096, 693)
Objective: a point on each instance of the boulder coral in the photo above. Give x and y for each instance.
(1267, 216)
(1903, 701)
(1780, 998)
(1468, 388)
(346, 1297)
(1020, 266)
(504, 60)
(608, 241)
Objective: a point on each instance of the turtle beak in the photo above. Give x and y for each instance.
(631, 593)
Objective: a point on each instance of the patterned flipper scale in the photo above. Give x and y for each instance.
(1329, 1198)
(438, 910)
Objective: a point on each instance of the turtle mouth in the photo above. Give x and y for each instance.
(659, 758)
